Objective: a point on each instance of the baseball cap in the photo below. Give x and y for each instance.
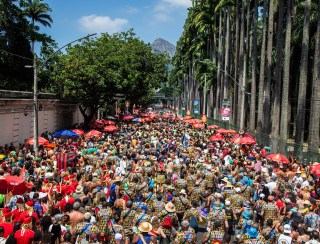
(287, 229)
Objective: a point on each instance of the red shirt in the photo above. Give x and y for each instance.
(24, 236)
(25, 214)
(8, 229)
(16, 214)
(64, 201)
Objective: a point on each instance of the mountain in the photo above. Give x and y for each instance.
(162, 46)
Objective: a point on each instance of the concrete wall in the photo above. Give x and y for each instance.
(16, 118)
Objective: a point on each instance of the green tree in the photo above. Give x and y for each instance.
(97, 69)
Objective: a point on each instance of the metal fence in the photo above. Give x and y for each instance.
(288, 148)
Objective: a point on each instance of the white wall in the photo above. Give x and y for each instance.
(16, 127)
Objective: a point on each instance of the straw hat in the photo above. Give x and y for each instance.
(145, 226)
(225, 179)
(117, 179)
(170, 207)
(79, 189)
(229, 184)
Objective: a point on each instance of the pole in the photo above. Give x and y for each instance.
(35, 107)
(205, 95)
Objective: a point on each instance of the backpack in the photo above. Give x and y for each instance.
(167, 223)
(113, 195)
(194, 222)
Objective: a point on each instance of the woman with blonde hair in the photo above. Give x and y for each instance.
(25, 235)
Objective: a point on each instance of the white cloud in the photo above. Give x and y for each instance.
(164, 8)
(178, 3)
(131, 10)
(95, 23)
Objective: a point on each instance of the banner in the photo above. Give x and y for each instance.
(196, 106)
(226, 109)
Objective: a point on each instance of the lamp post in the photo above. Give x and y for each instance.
(242, 89)
(36, 67)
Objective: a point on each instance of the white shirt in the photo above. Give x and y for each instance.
(272, 186)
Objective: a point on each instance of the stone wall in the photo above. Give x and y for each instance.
(16, 115)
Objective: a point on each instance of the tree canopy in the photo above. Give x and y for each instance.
(98, 68)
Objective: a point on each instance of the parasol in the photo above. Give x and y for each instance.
(65, 134)
(243, 135)
(41, 141)
(213, 127)
(14, 184)
(78, 131)
(110, 128)
(244, 141)
(93, 133)
(128, 117)
(137, 120)
(198, 126)
(109, 122)
(277, 157)
(216, 138)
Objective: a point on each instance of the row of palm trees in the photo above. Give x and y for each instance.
(263, 55)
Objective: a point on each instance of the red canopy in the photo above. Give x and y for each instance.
(198, 126)
(93, 133)
(216, 138)
(243, 135)
(78, 131)
(315, 169)
(213, 127)
(221, 131)
(109, 122)
(230, 132)
(277, 157)
(128, 117)
(244, 140)
(110, 128)
(14, 184)
(41, 141)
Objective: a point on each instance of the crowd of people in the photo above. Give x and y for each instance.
(157, 182)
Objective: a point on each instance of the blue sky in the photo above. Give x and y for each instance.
(150, 19)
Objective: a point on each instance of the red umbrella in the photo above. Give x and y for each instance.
(147, 119)
(315, 169)
(14, 184)
(244, 135)
(213, 127)
(128, 117)
(216, 138)
(230, 132)
(198, 126)
(166, 116)
(244, 140)
(221, 131)
(109, 122)
(41, 141)
(78, 131)
(187, 117)
(110, 128)
(93, 133)
(277, 157)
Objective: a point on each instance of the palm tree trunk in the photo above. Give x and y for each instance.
(267, 87)
(254, 70)
(218, 93)
(236, 60)
(226, 58)
(241, 61)
(260, 122)
(315, 102)
(277, 88)
(301, 111)
(285, 84)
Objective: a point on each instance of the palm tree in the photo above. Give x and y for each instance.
(277, 89)
(254, 69)
(260, 122)
(267, 92)
(315, 102)
(301, 110)
(286, 77)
